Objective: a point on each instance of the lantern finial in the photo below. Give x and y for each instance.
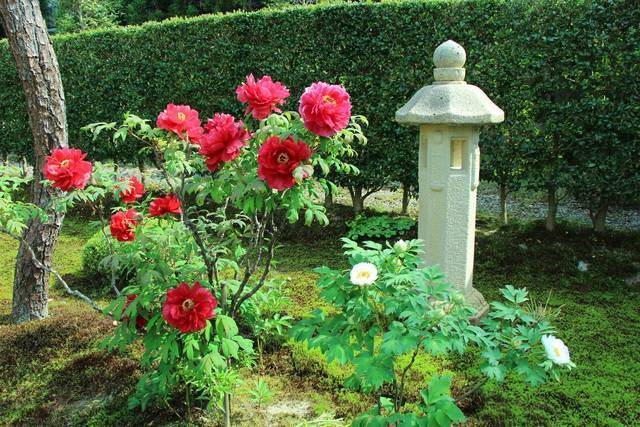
(449, 59)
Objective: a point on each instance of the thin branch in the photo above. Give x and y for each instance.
(371, 191)
(250, 269)
(72, 292)
(475, 388)
(267, 268)
(212, 272)
(103, 225)
(399, 395)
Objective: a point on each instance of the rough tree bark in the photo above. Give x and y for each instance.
(405, 199)
(357, 199)
(37, 67)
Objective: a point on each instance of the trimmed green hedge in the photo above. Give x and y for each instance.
(562, 70)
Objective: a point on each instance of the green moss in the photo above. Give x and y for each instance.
(321, 404)
(7, 265)
(296, 262)
(424, 367)
(308, 361)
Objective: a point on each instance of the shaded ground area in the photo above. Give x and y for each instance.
(55, 374)
(523, 205)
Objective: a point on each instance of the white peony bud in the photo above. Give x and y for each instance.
(401, 246)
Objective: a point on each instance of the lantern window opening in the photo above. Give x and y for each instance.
(457, 150)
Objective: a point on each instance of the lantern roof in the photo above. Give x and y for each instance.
(450, 100)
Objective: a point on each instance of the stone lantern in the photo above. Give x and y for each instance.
(450, 113)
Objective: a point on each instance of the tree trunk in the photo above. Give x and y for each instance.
(504, 219)
(599, 217)
(552, 209)
(24, 165)
(405, 199)
(357, 199)
(142, 168)
(328, 199)
(37, 67)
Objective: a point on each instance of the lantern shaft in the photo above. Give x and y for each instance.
(448, 180)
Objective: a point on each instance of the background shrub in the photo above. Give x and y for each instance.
(93, 262)
(94, 252)
(563, 71)
(379, 227)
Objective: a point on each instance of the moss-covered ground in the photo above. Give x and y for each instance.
(54, 374)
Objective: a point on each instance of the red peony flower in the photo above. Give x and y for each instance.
(67, 169)
(141, 322)
(123, 225)
(164, 205)
(134, 191)
(223, 140)
(195, 135)
(325, 108)
(179, 119)
(263, 96)
(188, 308)
(277, 159)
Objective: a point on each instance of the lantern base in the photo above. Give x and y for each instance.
(474, 298)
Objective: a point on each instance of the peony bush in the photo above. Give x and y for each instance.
(198, 256)
(388, 306)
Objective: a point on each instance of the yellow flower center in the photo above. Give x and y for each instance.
(282, 159)
(65, 163)
(364, 274)
(187, 305)
(182, 116)
(328, 100)
(557, 351)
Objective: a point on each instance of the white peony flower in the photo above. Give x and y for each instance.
(556, 350)
(363, 274)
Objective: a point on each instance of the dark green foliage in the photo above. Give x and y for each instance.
(563, 71)
(596, 316)
(379, 226)
(79, 15)
(139, 11)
